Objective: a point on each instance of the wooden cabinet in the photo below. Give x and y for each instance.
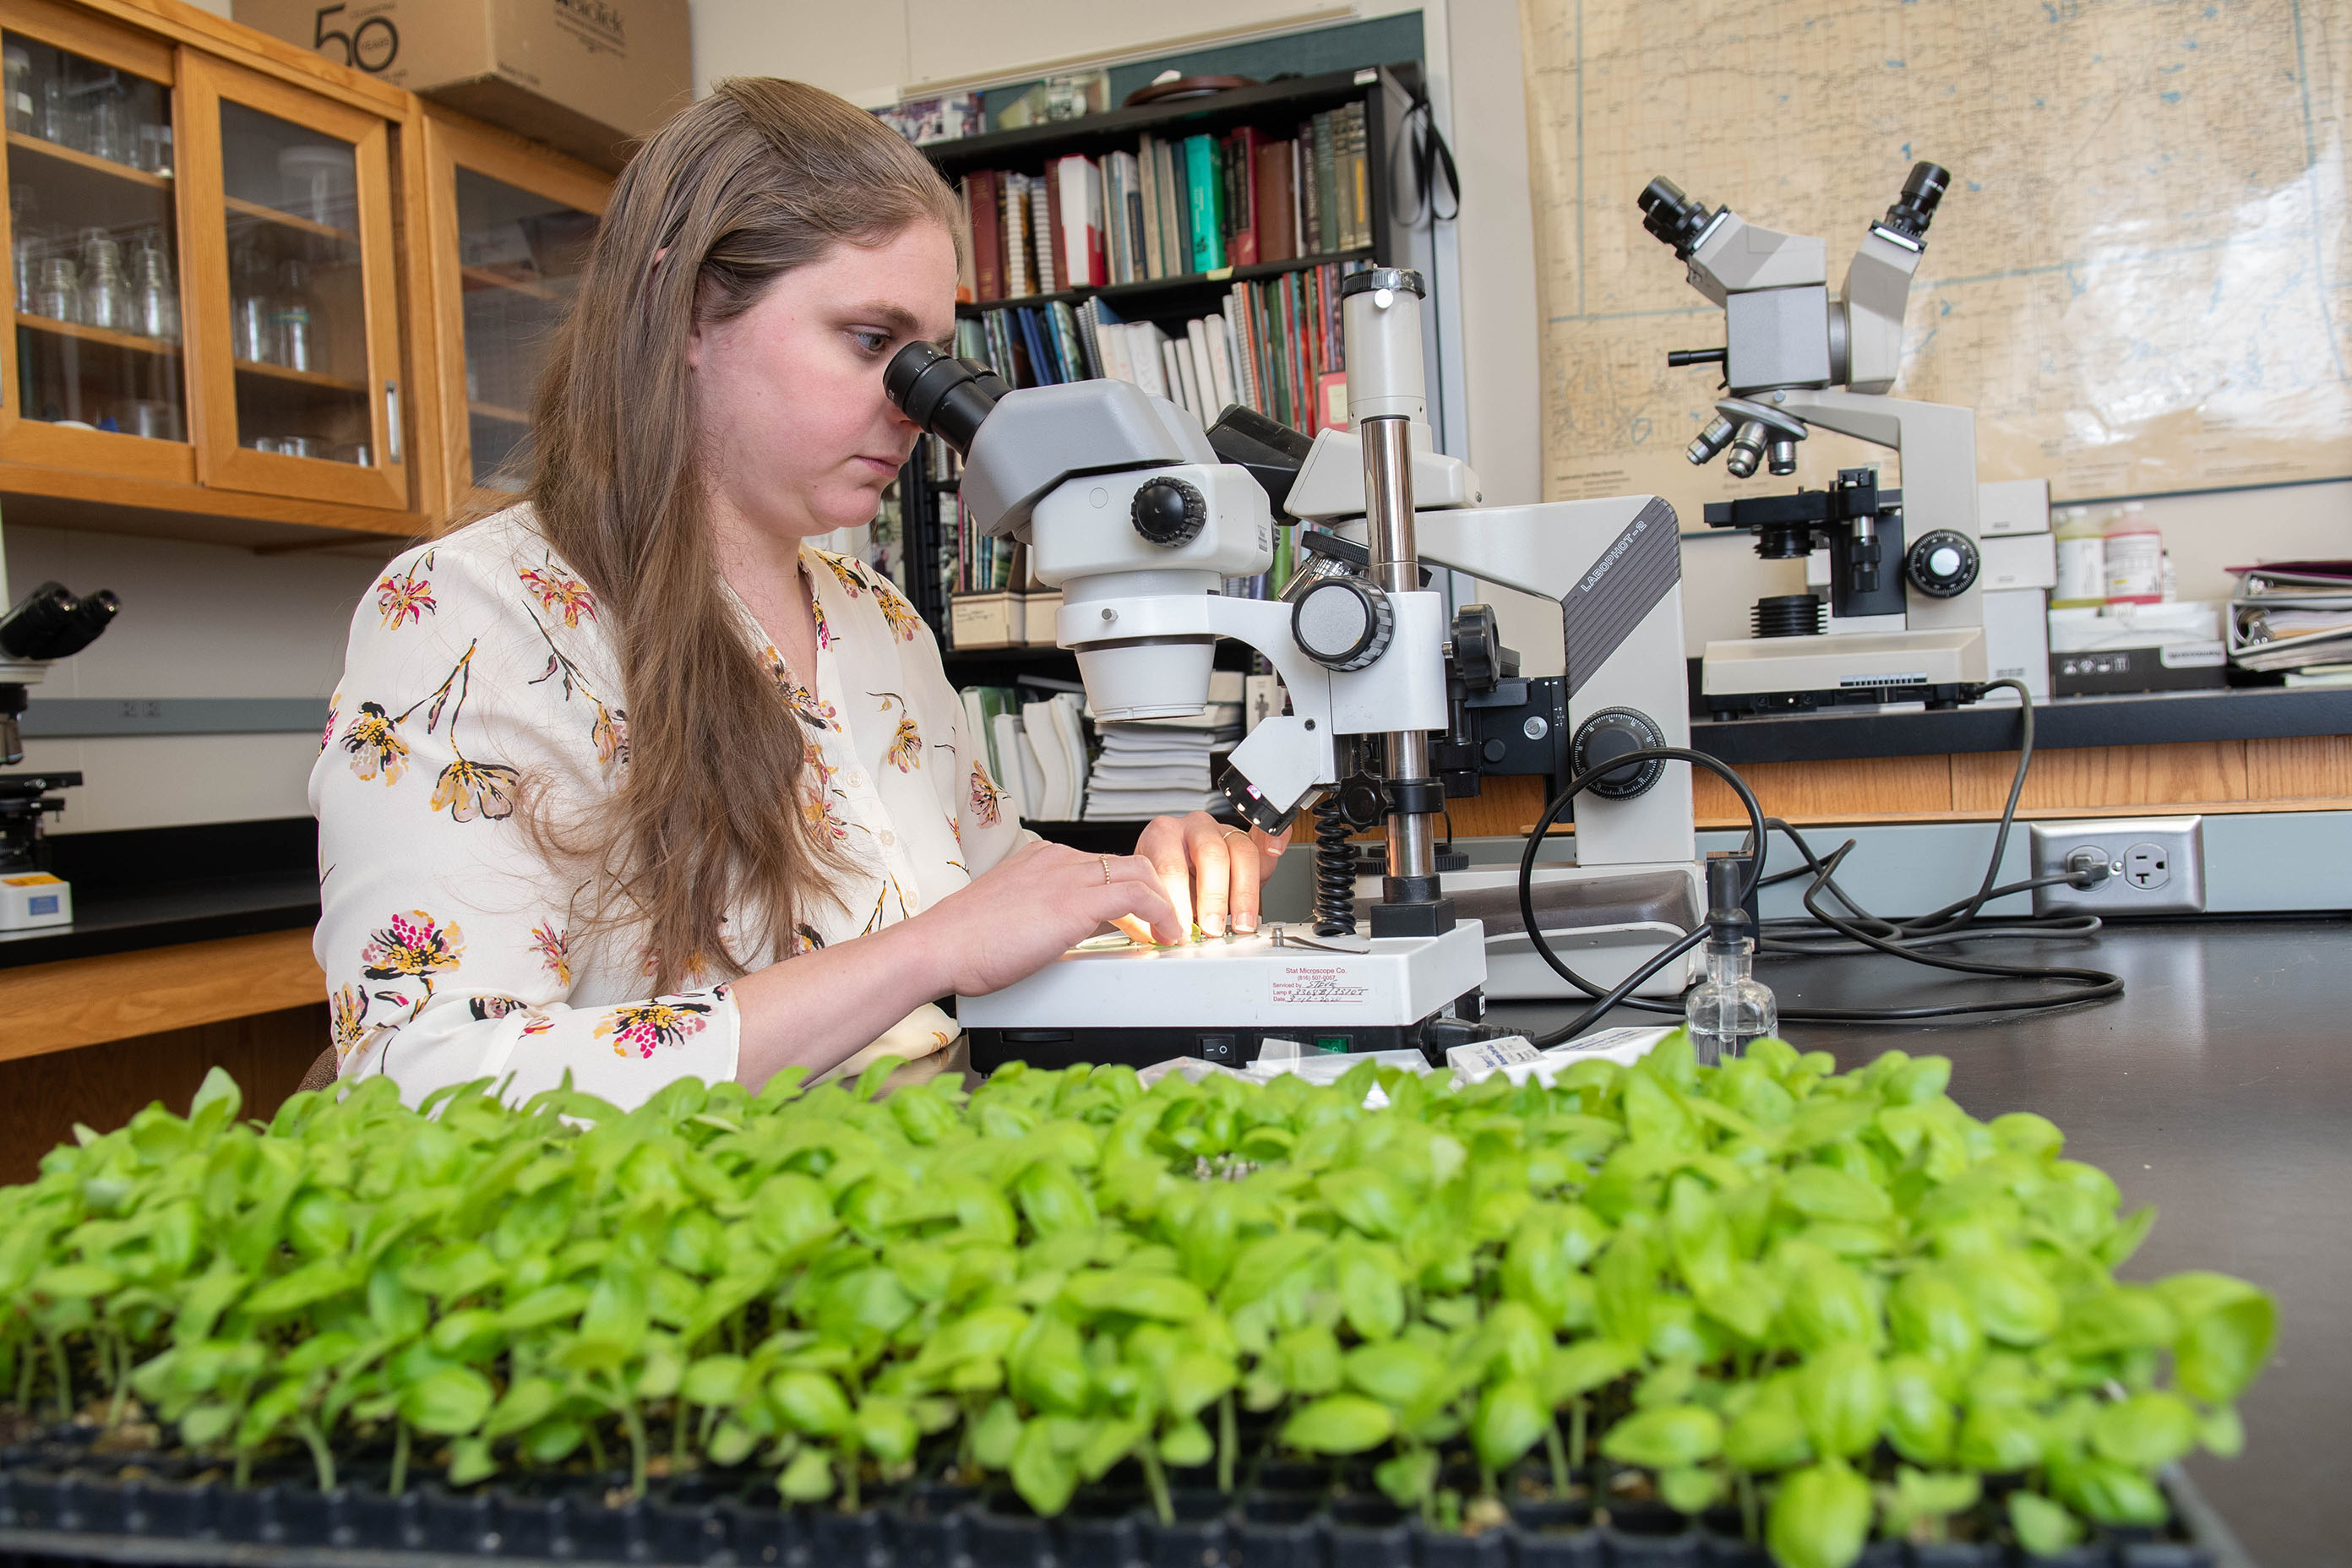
(286, 203)
(508, 229)
(257, 298)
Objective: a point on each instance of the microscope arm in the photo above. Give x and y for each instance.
(1938, 442)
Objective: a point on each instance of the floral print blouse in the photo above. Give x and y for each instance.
(480, 661)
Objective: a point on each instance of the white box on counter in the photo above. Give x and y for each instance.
(2017, 641)
(2013, 506)
(2019, 561)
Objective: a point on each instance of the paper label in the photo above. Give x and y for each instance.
(1317, 986)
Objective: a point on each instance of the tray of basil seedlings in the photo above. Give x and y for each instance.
(1631, 1314)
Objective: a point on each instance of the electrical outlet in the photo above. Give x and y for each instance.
(2153, 865)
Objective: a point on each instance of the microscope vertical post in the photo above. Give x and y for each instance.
(1381, 321)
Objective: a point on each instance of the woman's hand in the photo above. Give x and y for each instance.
(1034, 905)
(1212, 870)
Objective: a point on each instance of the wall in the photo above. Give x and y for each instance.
(197, 620)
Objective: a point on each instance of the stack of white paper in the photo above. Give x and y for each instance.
(1150, 769)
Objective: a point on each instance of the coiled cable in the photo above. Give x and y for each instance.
(1334, 870)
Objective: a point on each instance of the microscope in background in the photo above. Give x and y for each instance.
(1903, 563)
(46, 625)
(1136, 513)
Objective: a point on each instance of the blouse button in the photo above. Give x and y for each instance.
(888, 838)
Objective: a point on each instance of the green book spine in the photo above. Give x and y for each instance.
(1203, 181)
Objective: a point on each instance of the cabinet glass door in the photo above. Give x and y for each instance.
(299, 314)
(521, 221)
(93, 371)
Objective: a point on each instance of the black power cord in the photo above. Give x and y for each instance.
(1623, 994)
(1858, 930)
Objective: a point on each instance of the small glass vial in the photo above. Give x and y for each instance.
(1730, 1006)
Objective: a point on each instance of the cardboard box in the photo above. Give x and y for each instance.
(586, 76)
(987, 620)
(2013, 506)
(1039, 611)
(2019, 561)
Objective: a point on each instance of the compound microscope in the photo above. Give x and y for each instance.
(1136, 513)
(1793, 360)
(46, 625)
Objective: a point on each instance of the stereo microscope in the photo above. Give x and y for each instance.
(1794, 360)
(1136, 513)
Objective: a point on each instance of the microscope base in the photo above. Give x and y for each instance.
(1219, 999)
(1604, 922)
(1780, 675)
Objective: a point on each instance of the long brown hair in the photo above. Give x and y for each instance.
(759, 178)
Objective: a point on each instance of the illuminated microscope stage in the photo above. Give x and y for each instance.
(1110, 1001)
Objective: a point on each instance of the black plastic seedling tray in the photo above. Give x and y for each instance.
(50, 1518)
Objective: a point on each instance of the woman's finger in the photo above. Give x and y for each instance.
(1215, 871)
(1163, 846)
(1139, 889)
(1248, 881)
(1270, 847)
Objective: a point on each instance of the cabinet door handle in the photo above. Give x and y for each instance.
(392, 421)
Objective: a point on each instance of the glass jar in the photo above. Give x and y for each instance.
(112, 135)
(19, 101)
(154, 296)
(59, 295)
(27, 240)
(253, 325)
(63, 119)
(293, 316)
(105, 292)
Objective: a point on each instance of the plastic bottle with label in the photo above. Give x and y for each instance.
(2082, 544)
(2135, 549)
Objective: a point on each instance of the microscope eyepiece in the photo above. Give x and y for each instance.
(948, 397)
(1672, 217)
(1917, 206)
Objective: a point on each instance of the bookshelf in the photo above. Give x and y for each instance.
(1293, 386)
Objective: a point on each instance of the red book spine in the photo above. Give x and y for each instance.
(987, 234)
(1063, 273)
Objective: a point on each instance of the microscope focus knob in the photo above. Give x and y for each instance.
(1942, 563)
(1615, 733)
(1343, 623)
(1168, 512)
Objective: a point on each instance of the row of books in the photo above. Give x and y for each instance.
(1036, 750)
(1171, 208)
(1274, 346)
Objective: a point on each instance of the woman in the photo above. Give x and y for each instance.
(600, 761)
